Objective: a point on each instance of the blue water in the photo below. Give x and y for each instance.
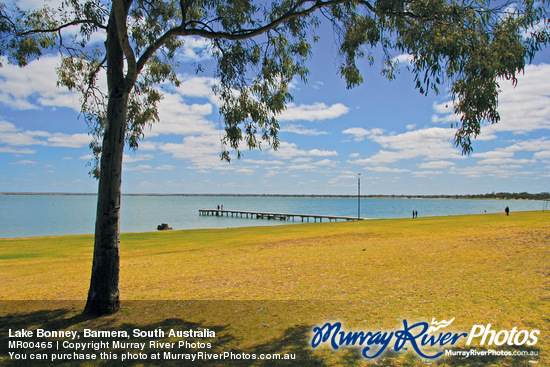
(50, 215)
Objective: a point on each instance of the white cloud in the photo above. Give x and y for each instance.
(272, 173)
(303, 167)
(149, 168)
(326, 162)
(443, 108)
(193, 147)
(290, 150)
(17, 150)
(511, 166)
(246, 171)
(26, 162)
(494, 154)
(69, 140)
(178, 118)
(301, 130)
(7, 127)
(498, 161)
(430, 143)
(527, 106)
(545, 154)
(531, 145)
(314, 112)
(263, 162)
(489, 171)
(359, 134)
(420, 140)
(196, 86)
(404, 58)
(317, 85)
(436, 165)
(386, 169)
(322, 153)
(34, 86)
(131, 158)
(196, 49)
(302, 160)
(142, 167)
(201, 151)
(19, 138)
(522, 109)
(145, 146)
(383, 156)
(426, 173)
(486, 136)
(12, 136)
(346, 178)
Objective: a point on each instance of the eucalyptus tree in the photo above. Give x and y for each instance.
(259, 47)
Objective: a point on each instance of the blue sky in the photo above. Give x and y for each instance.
(398, 139)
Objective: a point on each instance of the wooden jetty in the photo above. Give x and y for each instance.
(275, 216)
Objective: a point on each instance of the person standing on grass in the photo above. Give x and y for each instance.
(507, 211)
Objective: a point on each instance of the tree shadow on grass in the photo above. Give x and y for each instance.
(250, 332)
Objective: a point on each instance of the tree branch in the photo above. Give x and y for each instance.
(243, 34)
(249, 33)
(184, 7)
(120, 12)
(63, 26)
(182, 31)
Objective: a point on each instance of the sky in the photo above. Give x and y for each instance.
(398, 140)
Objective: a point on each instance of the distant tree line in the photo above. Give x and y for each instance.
(514, 195)
(493, 195)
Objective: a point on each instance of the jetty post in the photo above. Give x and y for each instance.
(359, 195)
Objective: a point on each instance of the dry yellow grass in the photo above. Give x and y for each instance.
(370, 275)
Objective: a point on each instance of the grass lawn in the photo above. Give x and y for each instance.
(262, 289)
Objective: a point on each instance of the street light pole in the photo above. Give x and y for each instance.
(359, 196)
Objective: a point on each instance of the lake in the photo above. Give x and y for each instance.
(52, 215)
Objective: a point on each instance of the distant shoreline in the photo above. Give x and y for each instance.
(499, 196)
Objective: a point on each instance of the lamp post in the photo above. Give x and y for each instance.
(359, 196)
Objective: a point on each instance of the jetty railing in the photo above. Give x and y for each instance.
(274, 216)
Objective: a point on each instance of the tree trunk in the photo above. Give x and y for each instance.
(103, 296)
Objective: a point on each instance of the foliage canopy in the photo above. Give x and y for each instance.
(261, 47)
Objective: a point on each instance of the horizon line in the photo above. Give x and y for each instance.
(277, 195)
